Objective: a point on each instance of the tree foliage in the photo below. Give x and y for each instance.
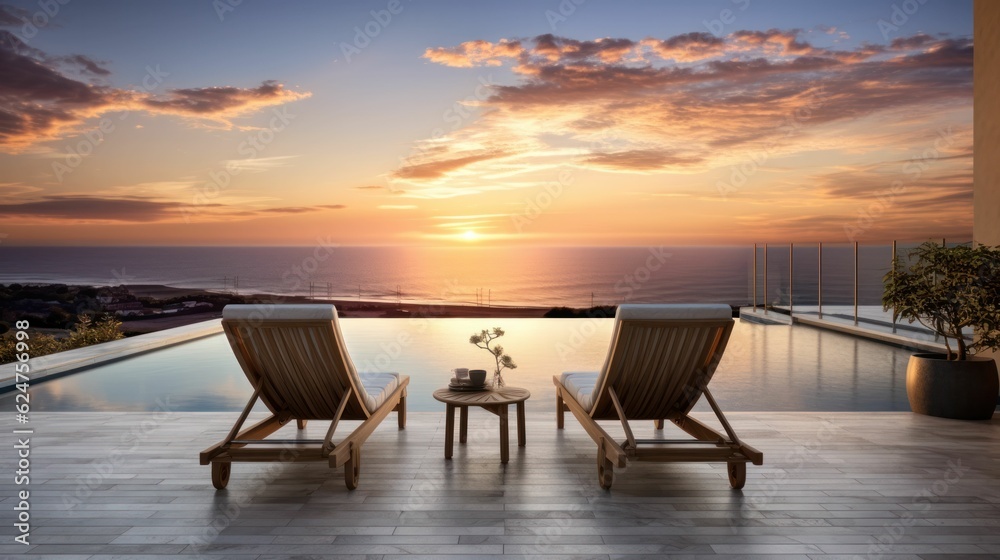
(948, 289)
(86, 332)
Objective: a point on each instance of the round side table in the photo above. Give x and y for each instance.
(493, 400)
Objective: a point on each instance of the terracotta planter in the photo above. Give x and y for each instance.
(965, 390)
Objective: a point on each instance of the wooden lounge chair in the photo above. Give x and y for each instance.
(295, 358)
(659, 364)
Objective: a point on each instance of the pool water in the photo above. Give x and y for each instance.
(766, 367)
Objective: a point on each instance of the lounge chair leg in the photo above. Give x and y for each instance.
(300, 423)
(560, 408)
(658, 424)
(220, 474)
(401, 412)
(352, 468)
(605, 468)
(737, 474)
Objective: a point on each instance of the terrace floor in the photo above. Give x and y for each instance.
(834, 485)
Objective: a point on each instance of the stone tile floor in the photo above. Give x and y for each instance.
(834, 485)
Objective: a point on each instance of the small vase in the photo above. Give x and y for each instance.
(497, 380)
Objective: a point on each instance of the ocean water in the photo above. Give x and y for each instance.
(542, 276)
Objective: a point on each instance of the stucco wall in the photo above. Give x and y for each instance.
(986, 120)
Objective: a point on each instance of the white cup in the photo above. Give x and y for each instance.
(461, 373)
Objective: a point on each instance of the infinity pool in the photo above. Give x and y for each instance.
(773, 368)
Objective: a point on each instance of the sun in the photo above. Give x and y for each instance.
(470, 235)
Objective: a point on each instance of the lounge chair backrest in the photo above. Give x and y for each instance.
(660, 357)
(297, 352)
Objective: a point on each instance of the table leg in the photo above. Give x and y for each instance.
(521, 432)
(504, 436)
(463, 423)
(449, 431)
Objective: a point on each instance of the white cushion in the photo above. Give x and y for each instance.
(282, 312)
(377, 386)
(580, 385)
(673, 311)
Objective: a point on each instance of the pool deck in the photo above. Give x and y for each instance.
(873, 324)
(833, 485)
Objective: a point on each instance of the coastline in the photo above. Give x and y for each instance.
(352, 308)
(157, 307)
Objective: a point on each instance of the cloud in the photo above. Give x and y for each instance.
(89, 208)
(641, 160)
(371, 188)
(911, 42)
(86, 64)
(12, 15)
(221, 103)
(301, 209)
(259, 164)
(39, 102)
(687, 47)
(687, 103)
(773, 41)
(475, 53)
(137, 210)
(397, 207)
(437, 168)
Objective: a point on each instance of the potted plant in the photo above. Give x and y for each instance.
(949, 289)
(484, 339)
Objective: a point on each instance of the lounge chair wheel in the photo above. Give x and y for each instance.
(352, 469)
(300, 423)
(220, 475)
(605, 469)
(737, 474)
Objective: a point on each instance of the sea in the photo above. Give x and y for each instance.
(476, 275)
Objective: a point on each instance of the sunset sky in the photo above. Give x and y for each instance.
(413, 122)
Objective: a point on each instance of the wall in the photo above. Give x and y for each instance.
(986, 122)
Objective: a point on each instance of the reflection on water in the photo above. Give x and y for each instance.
(765, 367)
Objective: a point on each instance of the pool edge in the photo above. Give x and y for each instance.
(61, 363)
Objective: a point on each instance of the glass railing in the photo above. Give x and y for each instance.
(836, 282)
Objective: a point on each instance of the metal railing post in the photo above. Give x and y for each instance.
(819, 281)
(892, 263)
(754, 277)
(855, 283)
(765, 279)
(791, 276)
